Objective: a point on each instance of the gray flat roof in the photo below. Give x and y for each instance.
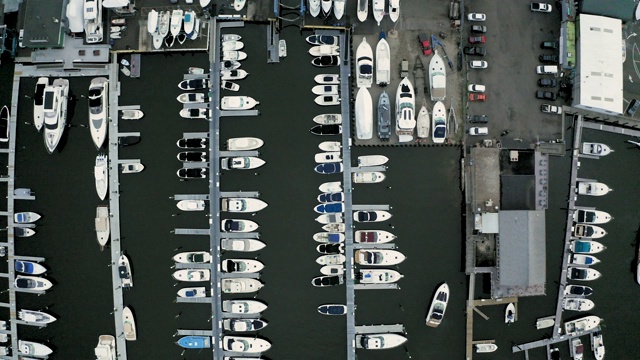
(619, 9)
(43, 25)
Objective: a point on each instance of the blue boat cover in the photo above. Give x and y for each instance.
(195, 342)
(581, 247)
(334, 238)
(24, 267)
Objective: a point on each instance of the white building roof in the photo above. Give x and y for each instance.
(600, 63)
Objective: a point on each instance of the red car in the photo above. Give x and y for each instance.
(426, 45)
(477, 97)
(477, 39)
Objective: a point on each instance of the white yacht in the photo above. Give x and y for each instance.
(363, 10)
(364, 64)
(131, 167)
(329, 237)
(332, 259)
(189, 21)
(238, 103)
(230, 37)
(101, 174)
(33, 348)
(438, 306)
(394, 10)
(243, 307)
(191, 205)
(364, 114)
(191, 98)
(338, 8)
(328, 119)
(106, 348)
(282, 48)
(98, 107)
(314, 7)
(593, 188)
(325, 90)
(243, 325)
(439, 123)
(582, 324)
(38, 102)
(371, 216)
(330, 270)
(379, 276)
(596, 149)
(229, 85)
(241, 266)
(247, 345)
(437, 78)
(152, 22)
(193, 292)
(132, 114)
(193, 84)
(232, 45)
(383, 61)
(327, 100)
(93, 21)
(35, 317)
(422, 123)
(55, 112)
(332, 186)
(582, 259)
(129, 324)
(405, 111)
(379, 257)
(321, 50)
(576, 304)
(372, 160)
(597, 345)
(124, 270)
(379, 341)
(33, 283)
(586, 247)
(238, 225)
(368, 177)
(327, 157)
(373, 236)
(326, 7)
(164, 21)
(241, 245)
(241, 163)
(330, 218)
(244, 143)
(591, 217)
(176, 22)
(240, 285)
(582, 231)
(193, 143)
(193, 257)
(378, 10)
(330, 146)
(26, 217)
(233, 55)
(327, 79)
(242, 205)
(29, 267)
(192, 275)
(486, 348)
(583, 274)
(103, 229)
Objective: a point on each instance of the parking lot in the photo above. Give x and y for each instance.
(513, 38)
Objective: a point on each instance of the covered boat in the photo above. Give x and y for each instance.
(364, 114)
(331, 259)
(437, 78)
(244, 143)
(329, 218)
(132, 114)
(363, 10)
(321, 50)
(328, 119)
(332, 186)
(372, 160)
(332, 270)
(129, 324)
(192, 275)
(329, 237)
(332, 309)
(233, 55)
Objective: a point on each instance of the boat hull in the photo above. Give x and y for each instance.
(364, 114)
(383, 63)
(422, 123)
(379, 257)
(129, 324)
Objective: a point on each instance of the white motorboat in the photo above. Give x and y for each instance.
(238, 225)
(437, 78)
(129, 325)
(101, 174)
(26, 217)
(577, 349)
(242, 205)
(192, 257)
(363, 10)
(486, 348)
(282, 48)
(575, 304)
(330, 146)
(238, 103)
(439, 123)
(338, 8)
(593, 188)
(192, 275)
(132, 114)
(33, 348)
(247, 345)
(405, 111)
(326, 7)
(239, 4)
(325, 90)
(333, 259)
(33, 283)
(329, 219)
(241, 266)
(597, 345)
(230, 37)
(314, 7)
(233, 55)
(510, 314)
(106, 348)
(322, 39)
(586, 247)
(330, 270)
(596, 149)
(383, 60)
(328, 119)
(438, 306)
(193, 292)
(243, 307)
(29, 267)
(582, 259)
(242, 245)
(124, 271)
(189, 21)
(327, 157)
(583, 274)
(241, 163)
(229, 85)
(55, 112)
(321, 50)
(372, 160)
(194, 84)
(23, 232)
(373, 236)
(192, 143)
(327, 79)
(152, 22)
(230, 65)
(379, 257)
(176, 22)
(364, 114)
(332, 186)
(98, 105)
(582, 324)
(244, 143)
(588, 231)
(191, 205)
(331, 197)
(325, 281)
(545, 322)
(379, 341)
(164, 21)
(35, 317)
(232, 45)
(394, 10)
(38, 102)
(195, 113)
(103, 229)
(334, 227)
(368, 177)
(131, 168)
(379, 276)
(591, 217)
(364, 64)
(422, 123)
(93, 21)
(238, 74)
(328, 100)
(329, 237)
(243, 325)
(191, 98)
(378, 10)
(240, 285)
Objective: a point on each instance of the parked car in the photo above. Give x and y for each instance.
(541, 7)
(478, 64)
(548, 58)
(633, 107)
(478, 29)
(477, 39)
(475, 50)
(550, 109)
(478, 131)
(546, 95)
(476, 17)
(477, 97)
(549, 45)
(426, 45)
(479, 119)
(476, 88)
(546, 82)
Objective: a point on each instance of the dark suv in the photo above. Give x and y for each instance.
(546, 82)
(546, 95)
(475, 50)
(478, 29)
(633, 107)
(548, 59)
(479, 119)
(549, 45)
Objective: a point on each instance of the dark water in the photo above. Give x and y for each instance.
(422, 186)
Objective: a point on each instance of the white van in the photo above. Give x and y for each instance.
(547, 69)
(476, 88)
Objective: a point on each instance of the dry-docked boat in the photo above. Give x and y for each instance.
(329, 237)
(124, 271)
(327, 79)
(191, 205)
(240, 285)
(363, 10)
(371, 216)
(586, 247)
(244, 143)
(192, 275)
(233, 74)
(379, 341)
(383, 61)
(582, 324)
(334, 259)
(394, 10)
(379, 257)
(193, 292)
(596, 149)
(322, 50)
(243, 307)
(439, 123)
(438, 305)
(242, 205)
(576, 304)
(588, 231)
(584, 274)
(384, 116)
(98, 105)
(192, 257)
(238, 103)
(241, 245)
(330, 218)
(100, 172)
(372, 160)
(328, 119)
(247, 345)
(102, 225)
(593, 188)
(241, 163)
(129, 324)
(364, 114)
(241, 266)
(243, 325)
(405, 111)
(591, 217)
(379, 276)
(327, 157)
(437, 78)
(238, 225)
(422, 123)
(364, 64)
(378, 10)
(191, 98)
(373, 236)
